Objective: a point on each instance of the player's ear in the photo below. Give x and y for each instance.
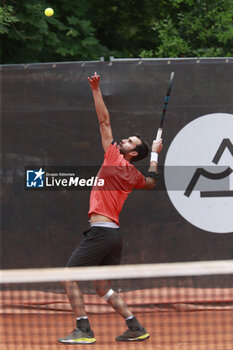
(133, 153)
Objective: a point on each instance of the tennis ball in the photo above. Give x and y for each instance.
(49, 12)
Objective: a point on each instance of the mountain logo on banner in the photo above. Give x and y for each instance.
(226, 143)
(199, 172)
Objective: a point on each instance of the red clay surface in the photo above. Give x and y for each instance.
(186, 330)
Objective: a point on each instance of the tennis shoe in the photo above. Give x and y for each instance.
(78, 337)
(133, 335)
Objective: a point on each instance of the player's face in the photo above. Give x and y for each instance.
(128, 145)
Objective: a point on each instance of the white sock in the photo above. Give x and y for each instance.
(82, 318)
(129, 318)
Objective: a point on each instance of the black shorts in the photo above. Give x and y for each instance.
(100, 246)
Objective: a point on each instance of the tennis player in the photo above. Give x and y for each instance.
(102, 244)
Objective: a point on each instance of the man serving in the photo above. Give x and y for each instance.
(102, 244)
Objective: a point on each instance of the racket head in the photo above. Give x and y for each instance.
(171, 80)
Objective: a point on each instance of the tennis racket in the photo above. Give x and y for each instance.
(160, 129)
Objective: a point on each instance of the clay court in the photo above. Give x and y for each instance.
(202, 330)
(176, 319)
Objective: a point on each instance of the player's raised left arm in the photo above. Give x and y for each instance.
(152, 175)
(102, 112)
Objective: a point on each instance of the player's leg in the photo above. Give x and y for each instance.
(90, 252)
(135, 331)
(75, 297)
(83, 333)
(83, 255)
(103, 290)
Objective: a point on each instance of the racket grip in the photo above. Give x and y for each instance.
(159, 134)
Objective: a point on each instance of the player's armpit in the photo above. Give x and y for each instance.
(150, 183)
(106, 135)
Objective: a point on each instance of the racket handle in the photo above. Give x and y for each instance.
(159, 134)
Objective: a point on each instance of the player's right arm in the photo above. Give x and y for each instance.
(102, 112)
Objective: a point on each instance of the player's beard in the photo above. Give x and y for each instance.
(121, 149)
(124, 151)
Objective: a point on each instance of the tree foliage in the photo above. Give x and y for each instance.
(7, 18)
(88, 29)
(68, 35)
(199, 28)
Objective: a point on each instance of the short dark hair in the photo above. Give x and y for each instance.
(142, 149)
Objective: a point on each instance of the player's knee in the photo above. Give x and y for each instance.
(101, 288)
(108, 295)
(68, 284)
(104, 293)
(100, 291)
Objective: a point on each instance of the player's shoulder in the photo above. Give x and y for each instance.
(113, 156)
(112, 147)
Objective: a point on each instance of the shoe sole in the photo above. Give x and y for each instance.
(78, 341)
(140, 338)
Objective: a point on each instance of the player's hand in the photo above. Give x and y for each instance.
(157, 146)
(94, 81)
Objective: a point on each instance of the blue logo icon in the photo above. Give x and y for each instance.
(35, 178)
